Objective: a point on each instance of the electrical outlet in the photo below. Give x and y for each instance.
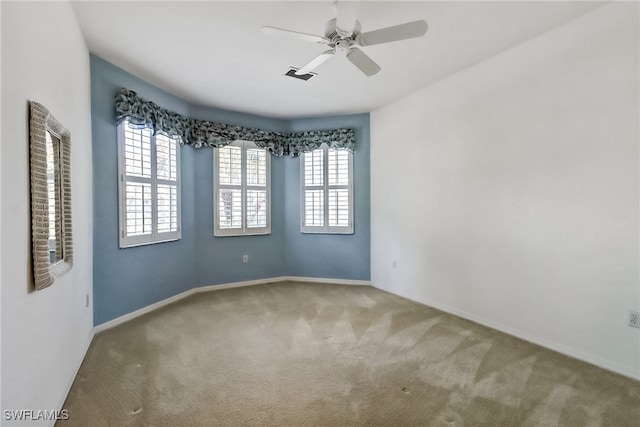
(634, 319)
(245, 258)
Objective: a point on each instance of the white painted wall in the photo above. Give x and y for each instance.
(508, 193)
(45, 333)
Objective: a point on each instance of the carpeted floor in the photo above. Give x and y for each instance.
(299, 354)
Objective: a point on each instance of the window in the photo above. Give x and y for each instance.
(148, 185)
(241, 190)
(327, 191)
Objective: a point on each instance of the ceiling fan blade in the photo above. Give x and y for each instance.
(315, 62)
(346, 15)
(296, 35)
(409, 30)
(362, 61)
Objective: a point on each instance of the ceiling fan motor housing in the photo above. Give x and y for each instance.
(334, 34)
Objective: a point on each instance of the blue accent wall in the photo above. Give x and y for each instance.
(128, 279)
(220, 258)
(340, 256)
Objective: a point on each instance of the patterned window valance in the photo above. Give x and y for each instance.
(201, 133)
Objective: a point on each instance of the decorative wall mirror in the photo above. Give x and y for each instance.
(50, 152)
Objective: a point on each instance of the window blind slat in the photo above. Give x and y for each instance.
(167, 202)
(166, 158)
(313, 168)
(257, 167)
(138, 209)
(137, 148)
(314, 208)
(256, 208)
(338, 166)
(338, 208)
(230, 205)
(230, 165)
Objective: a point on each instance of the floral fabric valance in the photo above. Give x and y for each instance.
(202, 133)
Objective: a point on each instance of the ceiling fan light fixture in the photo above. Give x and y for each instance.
(343, 46)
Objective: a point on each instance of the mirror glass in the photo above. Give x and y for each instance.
(53, 195)
(50, 162)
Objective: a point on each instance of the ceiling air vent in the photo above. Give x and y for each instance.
(305, 77)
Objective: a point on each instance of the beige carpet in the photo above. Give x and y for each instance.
(296, 354)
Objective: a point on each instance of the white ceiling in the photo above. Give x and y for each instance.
(214, 53)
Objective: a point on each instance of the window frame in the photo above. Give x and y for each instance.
(128, 241)
(244, 230)
(325, 187)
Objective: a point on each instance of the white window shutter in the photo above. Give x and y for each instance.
(327, 191)
(241, 177)
(149, 186)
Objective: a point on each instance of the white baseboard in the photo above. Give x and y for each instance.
(129, 316)
(324, 280)
(235, 285)
(567, 351)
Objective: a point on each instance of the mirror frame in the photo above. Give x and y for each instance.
(44, 271)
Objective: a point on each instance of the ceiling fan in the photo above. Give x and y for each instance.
(343, 36)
